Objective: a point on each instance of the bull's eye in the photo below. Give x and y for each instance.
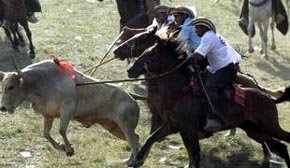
(10, 87)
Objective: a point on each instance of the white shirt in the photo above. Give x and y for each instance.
(217, 50)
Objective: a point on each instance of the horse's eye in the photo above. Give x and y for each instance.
(10, 87)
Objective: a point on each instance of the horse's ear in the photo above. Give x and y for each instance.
(152, 29)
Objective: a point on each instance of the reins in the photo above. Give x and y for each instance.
(155, 76)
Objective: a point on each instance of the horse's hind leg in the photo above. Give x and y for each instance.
(263, 137)
(280, 149)
(28, 34)
(191, 143)
(160, 133)
(272, 26)
(20, 37)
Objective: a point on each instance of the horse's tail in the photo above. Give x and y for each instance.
(285, 96)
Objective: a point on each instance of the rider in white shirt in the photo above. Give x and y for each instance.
(223, 65)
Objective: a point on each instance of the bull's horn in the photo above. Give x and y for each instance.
(18, 70)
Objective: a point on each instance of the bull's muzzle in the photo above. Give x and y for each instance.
(5, 109)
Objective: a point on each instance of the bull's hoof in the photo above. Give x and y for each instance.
(70, 152)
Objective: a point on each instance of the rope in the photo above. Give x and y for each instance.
(94, 68)
(140, 79)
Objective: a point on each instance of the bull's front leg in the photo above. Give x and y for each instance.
(46, 133)
(65, 116)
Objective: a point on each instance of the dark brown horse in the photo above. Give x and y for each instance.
(14, 12)
(182, 110)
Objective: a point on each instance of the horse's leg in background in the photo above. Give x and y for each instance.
(24, 24)
(15, 38)
(272, 26)
(264, 37)
(260, 26)
(191, 144)
(160, 133)
(20, 37)
(250, 31)
(8, 34)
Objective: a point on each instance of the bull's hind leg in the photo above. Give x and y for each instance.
(191, 143)
(160, 133)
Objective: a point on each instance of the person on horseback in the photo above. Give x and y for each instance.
(187, 36)
(279, 12)
(223, 65)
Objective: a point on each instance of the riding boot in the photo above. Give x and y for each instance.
(219, 118)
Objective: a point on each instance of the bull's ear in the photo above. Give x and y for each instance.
(2, 74)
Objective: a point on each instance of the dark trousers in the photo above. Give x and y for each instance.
(215, 85)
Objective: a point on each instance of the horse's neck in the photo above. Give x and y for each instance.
(169, 85)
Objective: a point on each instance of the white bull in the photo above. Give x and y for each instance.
(53, 92)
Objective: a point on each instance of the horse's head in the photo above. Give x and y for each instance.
(136, 45)
(159, 58)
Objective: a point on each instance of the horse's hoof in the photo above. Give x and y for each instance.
(261, 51)
(265, 56)
(70, 152)
(32, 55)
(134, 163)
(22, 44)
(273, 47)
(251, 50)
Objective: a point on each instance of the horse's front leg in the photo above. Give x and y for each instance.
(46, 133)
(160, 133)
(29, 36)
(250, 32)
(191, 144)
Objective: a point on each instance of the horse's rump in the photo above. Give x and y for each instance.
(259, 108)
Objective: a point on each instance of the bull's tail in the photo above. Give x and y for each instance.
(284, 97)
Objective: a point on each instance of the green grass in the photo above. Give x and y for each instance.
(80, 33)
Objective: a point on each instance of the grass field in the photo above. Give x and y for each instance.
(80, 33)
